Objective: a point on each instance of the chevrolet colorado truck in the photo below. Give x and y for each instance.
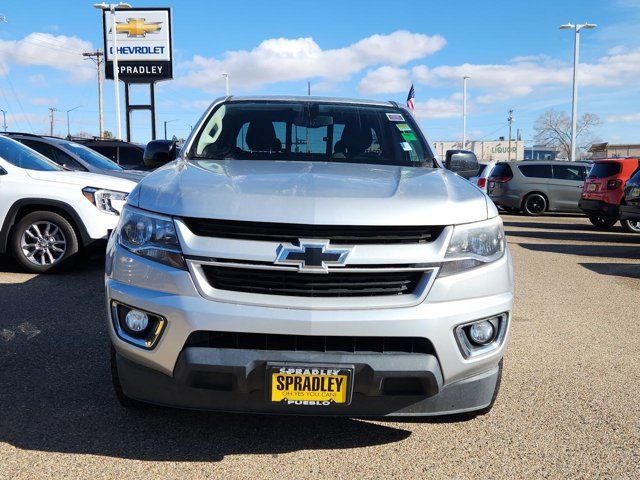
(308, 255)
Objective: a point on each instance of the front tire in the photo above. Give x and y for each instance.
(602, 222)
(534, 204)
(43, 241)
(630, 226)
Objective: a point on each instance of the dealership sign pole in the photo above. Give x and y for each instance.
(139, 51)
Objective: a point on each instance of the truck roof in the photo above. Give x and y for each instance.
(304, 98)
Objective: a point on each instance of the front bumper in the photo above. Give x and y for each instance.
(598, 207)
(165, 374)
(235, 380)
(629, 212)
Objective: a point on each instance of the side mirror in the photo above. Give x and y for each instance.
(462, 162)
(159, 152)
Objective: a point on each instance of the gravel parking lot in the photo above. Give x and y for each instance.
(568, 406)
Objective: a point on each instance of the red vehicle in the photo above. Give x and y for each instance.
(603, 191)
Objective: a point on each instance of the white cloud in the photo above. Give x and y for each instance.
(385, 80)
(44, 101)
(44, 49)
(284, 60)
(632, 117)
(520, 77)
(439, 108)
(37, 80)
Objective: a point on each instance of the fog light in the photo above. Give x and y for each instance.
(482, 332)
(136, 321)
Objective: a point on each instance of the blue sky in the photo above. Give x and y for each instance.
(513, 50)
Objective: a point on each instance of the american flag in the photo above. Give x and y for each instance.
(410, 98)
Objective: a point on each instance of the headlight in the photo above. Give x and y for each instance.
(107, 201)
(473, 245)
(150, 235)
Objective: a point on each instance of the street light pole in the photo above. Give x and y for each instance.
(165, 127)
(4, 119)
(576, 60)
(226, 80)
(464, 111)
(114, 45)
(68, 129)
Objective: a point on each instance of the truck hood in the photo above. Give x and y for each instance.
(311, 193)
(83, 179)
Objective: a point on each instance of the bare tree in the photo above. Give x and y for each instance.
(553, 129)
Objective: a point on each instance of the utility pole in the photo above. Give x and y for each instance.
(96, 57)
(52, 111)
(308, 89)
(510, 120)
(4, 119)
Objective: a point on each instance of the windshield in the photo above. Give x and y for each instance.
(22, 156)
(309, 131)
(92, 157)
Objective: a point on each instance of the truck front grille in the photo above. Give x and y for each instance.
(291, 232)
(334, 284)
(308, 343)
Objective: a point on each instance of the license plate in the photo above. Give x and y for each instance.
(592, 187)
(313, 385)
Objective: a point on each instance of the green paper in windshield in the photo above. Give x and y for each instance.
(403, 127)
(409, 136)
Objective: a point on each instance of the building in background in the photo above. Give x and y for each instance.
(486, 151)
(540, 152)
(610, 150)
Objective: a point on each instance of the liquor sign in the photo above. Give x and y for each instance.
(143, 42)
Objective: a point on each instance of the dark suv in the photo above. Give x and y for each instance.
(74, 156)
(126, 154)
(630, 206)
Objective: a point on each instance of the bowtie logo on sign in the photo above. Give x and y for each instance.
(138, 27)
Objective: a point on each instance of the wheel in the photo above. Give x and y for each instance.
(601, 221)
(630, 226)
(43, 241)
(534, 204)
(126, 402)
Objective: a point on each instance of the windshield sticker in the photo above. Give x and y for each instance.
(409, 136)
(405, 146)
(395, 117)
(403, 127)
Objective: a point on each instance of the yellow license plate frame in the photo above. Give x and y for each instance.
(310, 385)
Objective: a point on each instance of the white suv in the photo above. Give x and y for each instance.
(310, 256)
(47, 214)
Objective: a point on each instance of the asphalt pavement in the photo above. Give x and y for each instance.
(569, 406)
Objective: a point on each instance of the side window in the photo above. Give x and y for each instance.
(55, 154)
(130, 157)
(110, 152)
(569, 172)
(536, 171)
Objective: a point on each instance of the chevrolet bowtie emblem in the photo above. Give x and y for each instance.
(312, 256)
(137, 27)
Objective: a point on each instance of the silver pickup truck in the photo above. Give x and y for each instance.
(310, 256)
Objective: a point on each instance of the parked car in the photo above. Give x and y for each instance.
(74, 156)
(630, 206)
(309, 256)
(480, 180)
(536, 187)
(48, 214)
(126, 154)
(604, 191)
